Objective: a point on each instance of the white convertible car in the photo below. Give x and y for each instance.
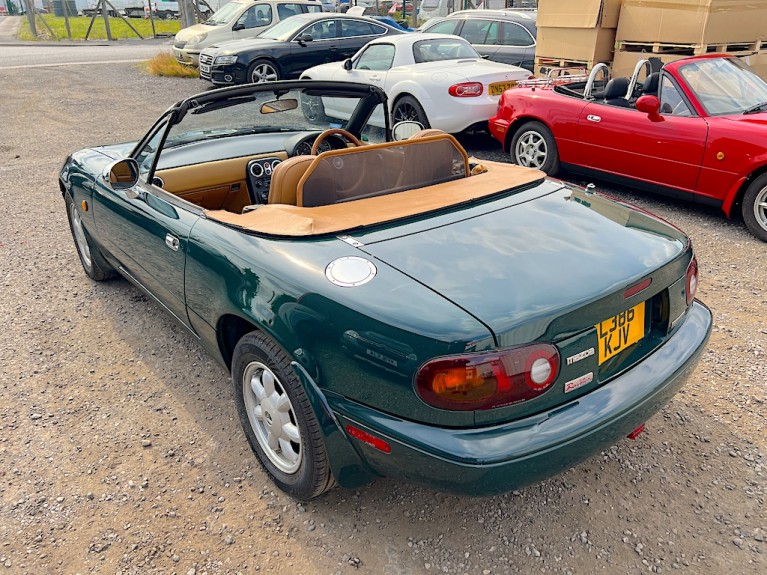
(435, 79)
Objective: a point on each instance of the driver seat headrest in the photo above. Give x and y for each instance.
(650, 85)
(283, 188)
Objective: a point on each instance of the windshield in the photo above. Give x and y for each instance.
(263, 121)
(284, 29)
(725, 85)
(439, 49)
(226, 14)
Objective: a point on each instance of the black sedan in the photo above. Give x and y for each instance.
(290, 47)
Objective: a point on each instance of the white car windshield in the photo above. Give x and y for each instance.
(439, 49)
(226, 14)
(726, 86)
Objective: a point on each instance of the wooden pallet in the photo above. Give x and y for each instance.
(548, 63)
(734, 48)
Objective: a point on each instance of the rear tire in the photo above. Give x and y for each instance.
(278, 419)
(754, 208)
(313, 109)
(95, 265)
(263, 70)
(407, 109)
(533, 146)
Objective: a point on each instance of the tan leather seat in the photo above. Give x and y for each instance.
(426, 132)
(282, 189)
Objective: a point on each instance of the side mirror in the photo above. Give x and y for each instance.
(348, 64)
(403, 130)
(303, 38)
(122, 174)
(238, 26)
(650, 105)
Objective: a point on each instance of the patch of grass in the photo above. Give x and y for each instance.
(165, 64)
(79, 25)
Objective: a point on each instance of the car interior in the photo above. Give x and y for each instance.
(310, 194)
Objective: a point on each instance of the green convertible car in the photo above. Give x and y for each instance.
(388, 306)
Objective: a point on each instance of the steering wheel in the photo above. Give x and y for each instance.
(331, 132)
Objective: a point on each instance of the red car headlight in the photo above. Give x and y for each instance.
(488, 379)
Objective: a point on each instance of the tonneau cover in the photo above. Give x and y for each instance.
(292, 221)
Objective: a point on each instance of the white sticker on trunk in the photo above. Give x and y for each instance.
(574, 384)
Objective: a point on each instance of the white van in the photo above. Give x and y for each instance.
(234, 21)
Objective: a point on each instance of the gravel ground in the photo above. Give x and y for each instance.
(120, 449)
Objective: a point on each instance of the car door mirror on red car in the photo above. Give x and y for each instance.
(650, 105)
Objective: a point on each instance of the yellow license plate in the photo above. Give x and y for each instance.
(620, 331)
(500, 87)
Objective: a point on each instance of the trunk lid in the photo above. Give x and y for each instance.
(518, 265)
(549, 265)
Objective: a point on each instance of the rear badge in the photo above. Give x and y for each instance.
(579, 356)
(574, 384)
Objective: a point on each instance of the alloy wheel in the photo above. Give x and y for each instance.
(760, 207)
(272, 417)
(531, 150)
(264, 73)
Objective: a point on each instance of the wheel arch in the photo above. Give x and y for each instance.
(348, 468)
(230, 330)
(734, 200)
(269, 58)
(517, 124)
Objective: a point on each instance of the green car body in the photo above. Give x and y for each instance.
(542, 262)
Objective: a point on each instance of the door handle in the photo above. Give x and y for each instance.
(593, 118)
(172, 242)
(375, 78)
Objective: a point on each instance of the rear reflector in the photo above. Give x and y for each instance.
(638, 287)
(371, 440)
(692, 279)
(634, 434)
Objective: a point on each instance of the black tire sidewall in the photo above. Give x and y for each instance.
(422, 119)
(99, 269)
(747, 208)
(551, 165)
(311, 478)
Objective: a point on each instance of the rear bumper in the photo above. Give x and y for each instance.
(489, 460)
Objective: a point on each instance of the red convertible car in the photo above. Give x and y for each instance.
(697, 129)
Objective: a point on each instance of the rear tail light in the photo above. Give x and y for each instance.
(466, 90)
(489, 379)
(692, 279)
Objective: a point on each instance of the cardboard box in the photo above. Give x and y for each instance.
(758, 63)
(625, 62)
(578, 13)
(692, 22)
(578, 44)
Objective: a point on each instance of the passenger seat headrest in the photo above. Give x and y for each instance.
(650, 85)
(616, 88)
